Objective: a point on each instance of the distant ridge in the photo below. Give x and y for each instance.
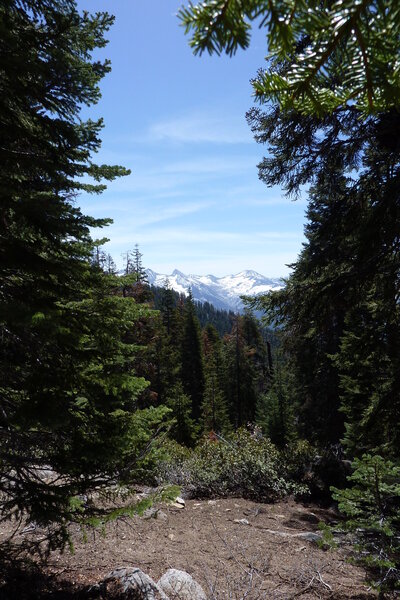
(223, 292)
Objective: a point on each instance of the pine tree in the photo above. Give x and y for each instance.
(68, 390)
(214, 407)
(339, 311)
(109, 266)
(332, 126)
(337, 54)
(371, 505)
(135, 281)
(192, 359)
(184, 429)
(245, 370)
(275, 409)
(168, 308)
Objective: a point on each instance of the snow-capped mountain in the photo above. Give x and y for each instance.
(222, 292)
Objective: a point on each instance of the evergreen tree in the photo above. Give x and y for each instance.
(135, 281)
(205, 312)
(339, 310)
(109, 266)
(184, 429)
(68, 391)
(192, 359)
(275, 409)
(333, 125)
(338, 54)
(168, 308)
(244, 372)
(214, 407)
(371, 506)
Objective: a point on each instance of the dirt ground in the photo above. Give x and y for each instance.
(233, 547)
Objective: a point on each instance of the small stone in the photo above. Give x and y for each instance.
(161, 515)
(179, 503)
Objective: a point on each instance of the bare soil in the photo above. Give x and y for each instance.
(233, 547)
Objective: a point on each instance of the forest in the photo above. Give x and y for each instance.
(106, 381)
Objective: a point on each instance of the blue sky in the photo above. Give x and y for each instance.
(193, 201)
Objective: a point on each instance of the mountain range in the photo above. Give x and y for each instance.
(223, 292)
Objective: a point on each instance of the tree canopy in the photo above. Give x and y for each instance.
(321, 55)
(68, 387)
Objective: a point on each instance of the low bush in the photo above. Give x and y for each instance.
(371, 504)
(297, 459)
(243, 464)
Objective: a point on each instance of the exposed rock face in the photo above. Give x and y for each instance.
(132, 584)
(179, 585)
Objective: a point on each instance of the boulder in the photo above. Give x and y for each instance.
(179, 585)
(131, 584)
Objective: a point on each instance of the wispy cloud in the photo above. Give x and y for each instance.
(175, 236)
(201, 128)
(136, 216)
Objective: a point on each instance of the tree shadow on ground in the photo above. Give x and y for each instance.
(24, 580)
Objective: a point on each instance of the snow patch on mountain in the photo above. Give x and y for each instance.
(223, 292)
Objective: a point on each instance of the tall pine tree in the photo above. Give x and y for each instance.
(192, 358)
(67, 386)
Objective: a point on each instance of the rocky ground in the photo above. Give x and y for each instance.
(233, 547)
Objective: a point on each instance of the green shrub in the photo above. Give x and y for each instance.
(241, 465)
(297, 459)
(372, 508)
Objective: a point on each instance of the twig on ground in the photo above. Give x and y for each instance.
(324, 582)
(223, 540)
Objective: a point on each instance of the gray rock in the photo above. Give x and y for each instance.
(179, 503)
(179, 585)
(309, 536)
(133, 584)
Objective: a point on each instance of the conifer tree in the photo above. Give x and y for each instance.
(67, 386)
(184, 429)
(275, 409)
(168, 308)
(243, 377)
(214, 407)
(333, 125)
(135, 281)
(192, 359)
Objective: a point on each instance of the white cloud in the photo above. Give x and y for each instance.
(202, 128)
(190, 236)
(135, 215)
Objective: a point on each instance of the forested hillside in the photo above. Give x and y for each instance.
(210, 367)
(107, 383)
(206, 313)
